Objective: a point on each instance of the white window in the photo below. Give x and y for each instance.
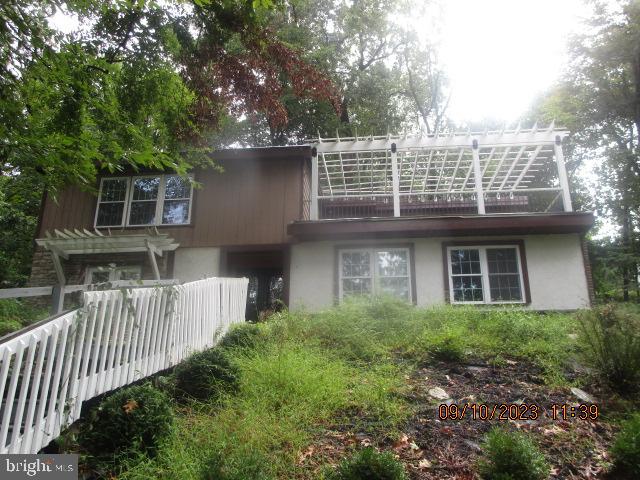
(144, 200)
(491, 274)
(375, 271)
(110, 273)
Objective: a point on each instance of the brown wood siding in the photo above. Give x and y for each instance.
(250, 203)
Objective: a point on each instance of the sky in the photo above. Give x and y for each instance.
(501, 54)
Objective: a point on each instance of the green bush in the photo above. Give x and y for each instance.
(249, 466)
(245, 335)
(206, 375)
(511, 456)
(367, 464)
(626, 448)
(16, 314)
(611, 342)
(131, 421)
(448, 348)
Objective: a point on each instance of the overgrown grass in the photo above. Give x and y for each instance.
(313, 371)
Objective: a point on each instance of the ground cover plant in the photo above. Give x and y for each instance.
(318, 391)
(16, 314)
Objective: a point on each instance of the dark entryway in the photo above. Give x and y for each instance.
(265, 271)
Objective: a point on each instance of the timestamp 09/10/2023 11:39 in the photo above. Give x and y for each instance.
(517, 411)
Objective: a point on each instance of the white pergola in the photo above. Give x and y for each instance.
(64, 243)
(440, 166)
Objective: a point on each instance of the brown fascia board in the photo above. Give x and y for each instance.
(259, 153)
(496, 224)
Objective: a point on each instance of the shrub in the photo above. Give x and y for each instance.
(626, 448)
(611, 340)
(132, 420)
(245, 335)
(511, 456)
(367, 464)
(248, 466)
(447, 348)
(206, 375)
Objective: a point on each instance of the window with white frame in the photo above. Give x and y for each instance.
(375, 271)
(485, 274)
(110, 273)
(144, 200)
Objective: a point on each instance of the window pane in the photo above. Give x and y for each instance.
(467, 288)
(99, 276)
(142, 213)
(505, 288)
(146, 188)
(392, 263)
(398, 287)
(175, 211)
(114, 190)
(110, 214)
(177, 187)
(128, 273)
(356, 286)
(502, 260)
(465, 262)
(355, 264)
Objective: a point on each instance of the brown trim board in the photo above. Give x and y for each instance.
(365, 245)
(497, 224)
(483, 243)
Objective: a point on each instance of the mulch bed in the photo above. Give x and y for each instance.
(432, 448)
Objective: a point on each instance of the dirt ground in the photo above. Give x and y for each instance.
(436, 448)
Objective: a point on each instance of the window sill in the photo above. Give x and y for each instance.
(139, 227)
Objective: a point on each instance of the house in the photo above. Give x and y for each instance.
(314, 224)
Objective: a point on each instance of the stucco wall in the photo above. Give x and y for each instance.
(196, 263)
(554, 262)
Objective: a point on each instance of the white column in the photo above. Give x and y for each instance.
(395, 178)
(562, 175)
(313, 212)
(477, 177)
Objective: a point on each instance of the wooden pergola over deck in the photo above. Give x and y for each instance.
(520, 170)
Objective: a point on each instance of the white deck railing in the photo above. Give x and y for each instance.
(118, 337)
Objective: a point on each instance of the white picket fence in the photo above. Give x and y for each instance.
(118, 337)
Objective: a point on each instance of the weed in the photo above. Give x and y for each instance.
(206, 375)
(367, 464)
(511, 456)
(626, 448)
(245, 335)
(611, 341)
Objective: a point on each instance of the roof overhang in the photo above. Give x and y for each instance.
(442, 226)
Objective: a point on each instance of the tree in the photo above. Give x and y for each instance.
(599, 100)
(141, 86)
(389, 79)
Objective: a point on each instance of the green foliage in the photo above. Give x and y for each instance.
(206, 375)
(610, 337)
(626, 448)
(367, 464)
(511, 456)
(448, 348)
(16, 314)
(132, 421)
(251, 466)
(245, 335)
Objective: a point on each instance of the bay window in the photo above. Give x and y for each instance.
(144, 200)
(485, 274)
(374, 271)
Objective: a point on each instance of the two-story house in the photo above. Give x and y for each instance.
(313, 224)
